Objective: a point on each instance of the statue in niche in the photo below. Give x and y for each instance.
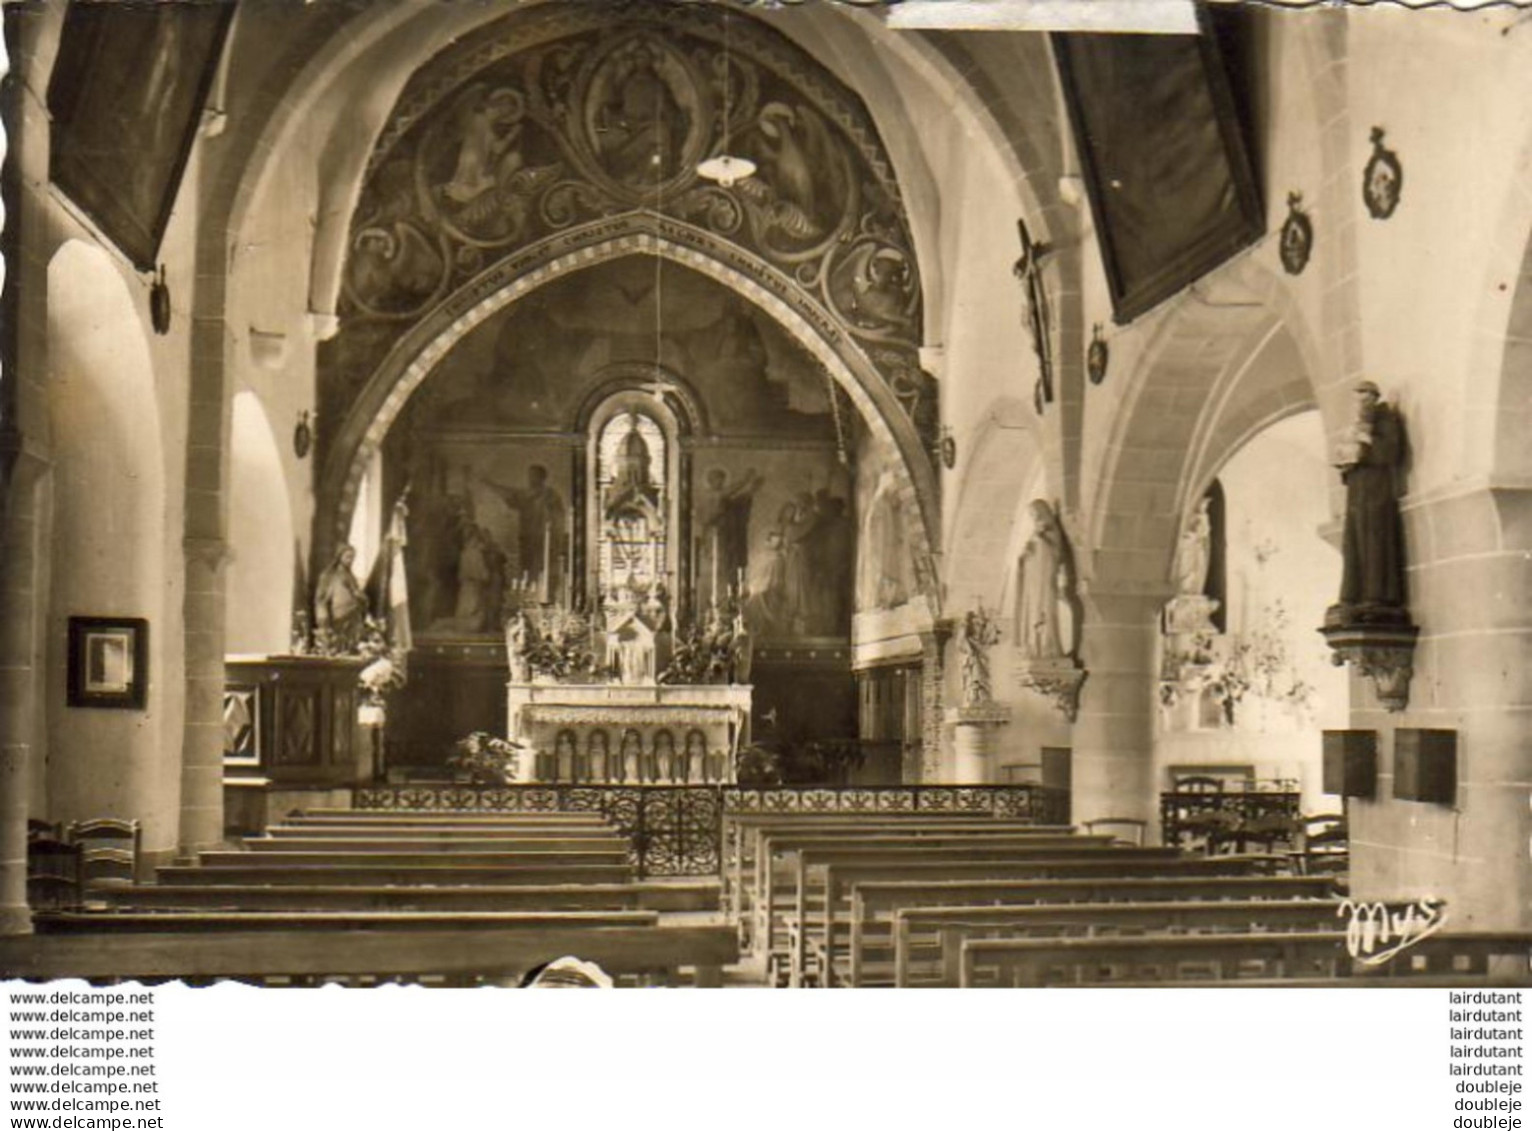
(631, 484)
(723, 547)
(1194, 552)
(1043, 581)
(980, 634)
(1370, 459)
(340, 606)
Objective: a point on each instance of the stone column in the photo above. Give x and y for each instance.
(1113, 763)
(976, 733)
(932, 676)
(202, 746)
(20, 690)
(1470, 573)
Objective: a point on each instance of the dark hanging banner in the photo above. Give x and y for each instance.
(1164, 158)
(126, 95)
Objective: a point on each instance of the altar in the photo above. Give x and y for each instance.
(607, 733)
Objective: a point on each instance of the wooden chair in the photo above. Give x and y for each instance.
(1271, 832)
(54, 879)
(109, 851)
(1324, 845)
(1126, 830)
(1196, 783)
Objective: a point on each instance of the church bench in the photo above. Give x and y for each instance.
(820, 927)
(1300, 958)
(1108, 961)
(386, 845)
(454, 953)
(694, 896)
(927, 941)
(755, 870)
(773, 877)
(121, 922)
(742, 832)
(443, 858)
(400, 874)
(875, 904)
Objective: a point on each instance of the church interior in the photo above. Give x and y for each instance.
(748, 494)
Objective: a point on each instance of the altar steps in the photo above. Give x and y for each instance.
(434, 845)
(434, 858)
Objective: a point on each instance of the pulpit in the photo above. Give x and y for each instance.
(608, 733)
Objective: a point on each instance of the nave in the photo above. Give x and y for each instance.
(935, 897)
(485, 460)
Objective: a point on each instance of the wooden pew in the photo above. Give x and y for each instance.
(773, 877)
(753, 898)
(137, 922)
(842, 870)
(456, 953)
(874, 904)
(1298, 958)
(935, 935)
(1076, 961)
(697, 895)
(741, 832)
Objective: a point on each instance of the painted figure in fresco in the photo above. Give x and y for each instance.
(723, 516)
(1195, 552)
(885, 581)
(640, 127)
(489, 130)
(1041, 578)
(1373, 547)
(340, 605)
(542, 533)
(830, 565)
(767, 583)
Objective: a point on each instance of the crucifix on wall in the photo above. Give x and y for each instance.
(1029, 269)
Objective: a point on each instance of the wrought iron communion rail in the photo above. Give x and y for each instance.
(678, 830)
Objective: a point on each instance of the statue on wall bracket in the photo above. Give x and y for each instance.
(1046, 618)
(1370, 626)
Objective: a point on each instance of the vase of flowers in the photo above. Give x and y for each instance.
(485, 759)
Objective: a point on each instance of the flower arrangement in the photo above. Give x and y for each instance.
(1229, 668)
(486, 759)
(562, 648)
(384, 672)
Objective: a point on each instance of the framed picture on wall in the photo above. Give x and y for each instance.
(125, 96)
(108, 662)
(1165, 158)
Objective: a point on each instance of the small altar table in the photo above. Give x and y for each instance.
(609, 733)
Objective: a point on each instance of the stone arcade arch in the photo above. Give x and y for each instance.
(110, 555)
(1199, 391)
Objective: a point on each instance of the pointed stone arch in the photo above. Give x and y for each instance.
(418, 351)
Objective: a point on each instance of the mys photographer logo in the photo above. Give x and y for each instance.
(1375, 932)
